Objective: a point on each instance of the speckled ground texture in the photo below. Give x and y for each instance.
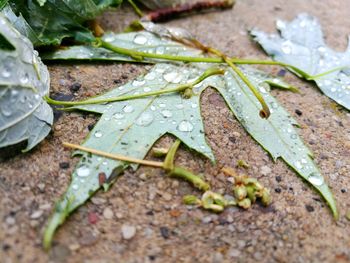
(297, 227)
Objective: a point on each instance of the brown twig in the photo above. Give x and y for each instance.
(169, 13)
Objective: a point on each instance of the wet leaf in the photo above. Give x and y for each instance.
(24, 80)
(301, 44)
(132, 127)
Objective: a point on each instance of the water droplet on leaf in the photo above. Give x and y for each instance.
(83, 171)
(316, 179)
(185, 126)
(145, 119)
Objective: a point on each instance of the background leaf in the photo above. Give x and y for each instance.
(301, 44)
(55, 20)
(24, 80)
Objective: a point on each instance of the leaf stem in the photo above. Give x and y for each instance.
(265, 111)
(209, 72)
(136, 8)
(182, 173)
(113, 156)
(169, 158)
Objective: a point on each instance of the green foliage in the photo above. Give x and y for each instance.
(24, 80)
(51, 21)
(301, 44)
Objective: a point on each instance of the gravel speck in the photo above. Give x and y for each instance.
(233, 253)
(36, 214)
(108, 213)
(164, 232)
(265, 170)
(128, 231)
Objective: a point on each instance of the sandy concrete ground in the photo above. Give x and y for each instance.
(298, 227)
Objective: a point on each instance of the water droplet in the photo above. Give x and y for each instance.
(24, 79)
(280, 24)
(333, 89)
(321, 49)
(185, 126)
(138, 83)
(75, 187)
(140, 39)
(293, 136)
(6, 73)
(162, 105)
(160, 50)
(145, 119)
(128, 109)
(194, 105)
(262, 89)
(153, 108)
(298, 165)
(118, 116)
(109, 39)
(327, 82)
(6, 111)
(179, 106)
(150, 76)
(173, 77)
(147, 89)
(316, 179)
(286, 47)
(98, 134)
(303, 161)
(83, 171)
(167, 113)
(302, 23)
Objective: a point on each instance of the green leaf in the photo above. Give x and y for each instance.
(48, 24)
(301, 44)
(24, 80)
(131, 127)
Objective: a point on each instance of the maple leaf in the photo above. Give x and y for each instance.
(301, 44)
(131, 127)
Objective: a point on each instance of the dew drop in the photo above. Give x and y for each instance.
(173, 77)
(145, 119)
(75, 187)
(138, 83)
(6, 73)
(298, 165)
(118, 116)
(316, 179)
(280, 24)
(185, 126)
(83, 171)
(109, 39)
(162, 105)
(153, 108)
(6, 111)
(98, 134)
(194, 105)
(167, 113)
(150, 76)
(333, 89)
(321, 49)
(128, 109)
(286, 47)
(179, 106)
(293, 136)
(147, 89)
(24, 79)
(140, 39)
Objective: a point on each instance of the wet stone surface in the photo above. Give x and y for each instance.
(141, 218)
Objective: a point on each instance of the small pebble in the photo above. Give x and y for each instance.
(233, 253)
(309, 208)
(164, 232)
(108, 213)
(98, 200)
(36, 214)
(10, 220)
(92, 218)
(128, 231)
(265, 170)
(64, 165)
(298, 112)
(167, 196)
(75, 87)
